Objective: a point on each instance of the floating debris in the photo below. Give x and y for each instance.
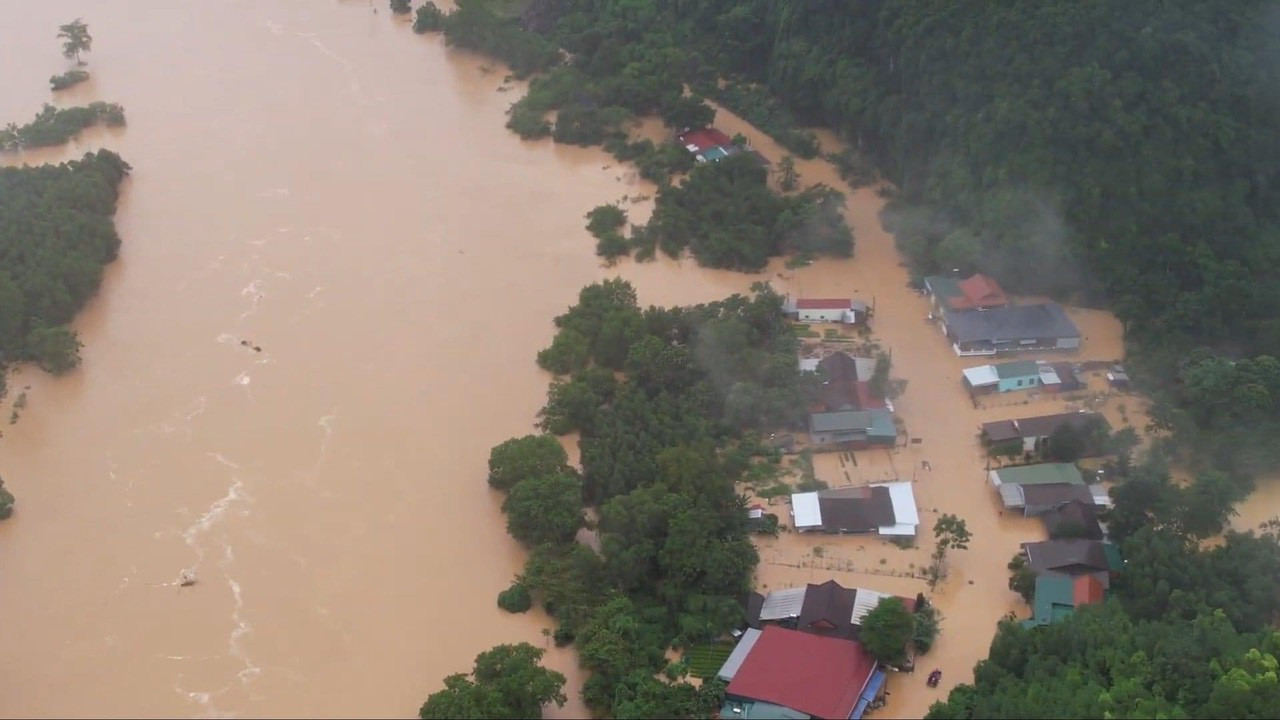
(187, 577)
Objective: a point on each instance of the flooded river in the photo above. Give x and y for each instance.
(317, 181)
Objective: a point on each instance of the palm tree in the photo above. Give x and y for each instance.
(75, 38)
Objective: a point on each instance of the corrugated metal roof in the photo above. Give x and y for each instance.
(866, 367)
(864, 602)
(838, 421)
(781, 604)
(903, 497)
(824, 304)
(805, 510)
(734, 661)
(1012, 323)
(1100, 496)
(821, 676)
(981, 376)
(1017, 369)
(1011, 495)
(881, 424)
(1041, 474)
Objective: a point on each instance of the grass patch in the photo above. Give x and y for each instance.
(706, 659)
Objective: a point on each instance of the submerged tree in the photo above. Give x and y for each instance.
(75, 39)
(951, 533)
(888, 630)
(506, 682)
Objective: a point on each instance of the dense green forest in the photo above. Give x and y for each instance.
(55, 126)
(1190, 631)
(56, 233)
(1121, 154)
(662, 448)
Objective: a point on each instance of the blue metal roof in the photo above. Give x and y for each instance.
(869, 694)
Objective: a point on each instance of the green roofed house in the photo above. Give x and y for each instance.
(1057, 596)
(854, 429)
(1041, 474)
(1018, 375)
(1004, 377)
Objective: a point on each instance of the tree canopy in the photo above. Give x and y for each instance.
(506, 682)
(75, 39)
(525, 457)
(888, 630)
(545, 509)
(56, 233)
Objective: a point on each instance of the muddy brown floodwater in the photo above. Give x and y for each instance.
(315, 180)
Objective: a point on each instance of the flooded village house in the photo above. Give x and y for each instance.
(887, 509)
(1031, 434)
(800, 656)
(976, 316)
(847, 311)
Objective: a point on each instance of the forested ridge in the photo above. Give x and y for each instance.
(1115, 154)
(56, 234)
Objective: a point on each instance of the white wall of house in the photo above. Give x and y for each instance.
(831, 315)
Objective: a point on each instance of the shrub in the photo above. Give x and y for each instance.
(68, 79)
(515, 599)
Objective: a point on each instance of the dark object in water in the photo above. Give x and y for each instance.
(257, 348)
(935, 677)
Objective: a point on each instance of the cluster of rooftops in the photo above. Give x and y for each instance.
(800, 657)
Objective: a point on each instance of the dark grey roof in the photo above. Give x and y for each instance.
(1066, 555)
(830, 606)
(860, 509)
(1055, 494)
(1038, 426)
(1011, 323)
(754, 603)
(1079, 518)
(839, 366)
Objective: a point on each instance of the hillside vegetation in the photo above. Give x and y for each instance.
(1116, 154)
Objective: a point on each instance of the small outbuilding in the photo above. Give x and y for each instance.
(828, 310)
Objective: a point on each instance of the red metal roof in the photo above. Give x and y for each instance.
(819, 675)
(705, 139)
(825, 304)
(1087, 590)
(979, 291)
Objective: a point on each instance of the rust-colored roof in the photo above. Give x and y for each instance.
(824, 304)
(817, 675)
(705, 139)
(978, 291)
(1087, 590)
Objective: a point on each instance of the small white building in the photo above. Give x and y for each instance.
(829, 310)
